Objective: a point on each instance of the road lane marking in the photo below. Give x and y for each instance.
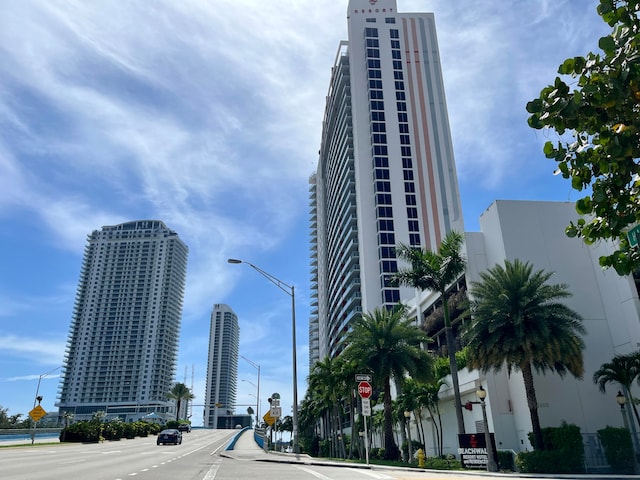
(370, 473)
(315, 474)
(213, 471)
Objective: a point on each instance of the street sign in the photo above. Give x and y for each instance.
(363, 377)
(633, 236)
(275, 412)
(364, 389)
(37, 413)
(269, 419)
(276, 396)
(366, 407)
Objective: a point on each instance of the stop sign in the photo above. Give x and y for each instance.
(364, 389)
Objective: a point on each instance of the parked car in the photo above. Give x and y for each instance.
(184, 427)
(169, 436)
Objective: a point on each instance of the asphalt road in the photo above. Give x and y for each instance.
(196, 459)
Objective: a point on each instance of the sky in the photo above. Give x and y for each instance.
(207, 115)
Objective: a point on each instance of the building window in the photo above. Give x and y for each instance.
(390, 20)
(383, 199)
(385, 225)
(405, 140)
(397, 65)
(409, 187)
(375, 84)
(371, 32)
(403, 117)
(410, 199)
(385, 212)
(408, 174)
(381, 174)
(391, 296)
(381, 162)
(380, 150)
(400, 96)
(376, 105)
(382, 186)
(403, 127)
(412, 212)
(413, 226)
(375, 73)
(378, 127)
(393, 33)
(398, 75)
(389, 266)
(414, 239)
(395, 43)
(395, 54)
(386, 238)
(373, 63)
(405, 151)
(373, 42)
(375, 95)
(379, 138)
(377, 116)
(373, 53)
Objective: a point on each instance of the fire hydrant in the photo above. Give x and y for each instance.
(420, 454)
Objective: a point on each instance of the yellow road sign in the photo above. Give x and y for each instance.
(269, 419)
(37, 413)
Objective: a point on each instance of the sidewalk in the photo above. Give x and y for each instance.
(246, 448)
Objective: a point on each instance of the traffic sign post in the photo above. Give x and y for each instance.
(365, 390)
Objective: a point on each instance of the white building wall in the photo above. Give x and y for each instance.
(534, 232)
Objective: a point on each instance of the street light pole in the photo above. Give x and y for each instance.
(491, 462)
(257, 367)
(289, 290)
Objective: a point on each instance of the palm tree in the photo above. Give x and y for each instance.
(389, 345)
(519, 320)
(178, 393)
(622, 369)
(436, 271)
(325, 383)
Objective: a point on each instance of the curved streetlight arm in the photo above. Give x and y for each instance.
(286, 288)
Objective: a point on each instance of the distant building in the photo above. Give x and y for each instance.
(123, 341)
(386, 172)
(222, 368)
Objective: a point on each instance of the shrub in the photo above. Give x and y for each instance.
(563, 452)
(617, 448)
(505, 460)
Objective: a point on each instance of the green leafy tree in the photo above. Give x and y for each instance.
(436, 272)
(389, 345)
(519, 320)
(598, 125)
(327, 384)
(624, 370)
(180, 392)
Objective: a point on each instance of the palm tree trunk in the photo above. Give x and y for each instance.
(453, 364)
(178, 410)
(532, 402)
(391, 451)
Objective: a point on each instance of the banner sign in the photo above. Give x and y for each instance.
(473, 450)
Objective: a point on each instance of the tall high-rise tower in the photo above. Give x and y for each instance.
(386, 173)
(222, 367)
(123, 342)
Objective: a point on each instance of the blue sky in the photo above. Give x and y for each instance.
(207, 115)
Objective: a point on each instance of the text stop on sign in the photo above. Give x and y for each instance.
(364, 389)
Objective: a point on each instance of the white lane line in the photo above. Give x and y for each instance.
(370, 473)
(315, 474)
(213, 471)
